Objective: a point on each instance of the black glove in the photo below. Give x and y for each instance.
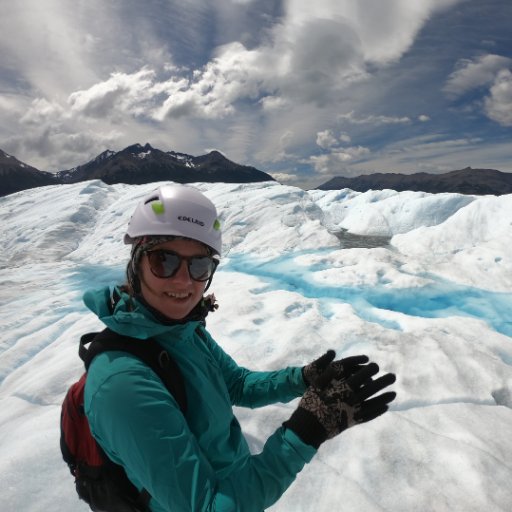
(332, 405)
(344, 367)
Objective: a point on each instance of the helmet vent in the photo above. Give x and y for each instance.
(154, 198)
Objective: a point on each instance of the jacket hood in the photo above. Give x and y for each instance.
(126, 315)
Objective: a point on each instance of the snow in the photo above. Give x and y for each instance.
(431, 303)
(386, 212)
(183, 158)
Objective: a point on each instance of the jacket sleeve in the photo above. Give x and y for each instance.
(256, 388)
(140, 426)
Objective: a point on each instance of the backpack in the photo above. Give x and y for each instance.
(98, 480)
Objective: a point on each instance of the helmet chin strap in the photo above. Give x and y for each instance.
(209, 282)
(132, 277)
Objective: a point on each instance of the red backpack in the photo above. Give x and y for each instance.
(99, 481)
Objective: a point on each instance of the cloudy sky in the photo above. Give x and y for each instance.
(304, 90)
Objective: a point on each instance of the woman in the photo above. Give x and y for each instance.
(199, 460)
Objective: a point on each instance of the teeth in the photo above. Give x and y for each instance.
(177, 295)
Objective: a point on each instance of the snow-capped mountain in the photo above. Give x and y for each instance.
(16, 175)
(139, 164)
(133, 165)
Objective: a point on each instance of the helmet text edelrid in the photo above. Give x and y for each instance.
(190, 219)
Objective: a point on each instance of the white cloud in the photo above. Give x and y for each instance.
(487, 71)
(321, 57)
(42, 111)
(134, 94)
(345, 137)
(433, 144)
(383, 31)
(355, 152)
(273, 103)
(330, 163)
(10, 104)
(498, 105)
(423, 118)
(326, 139)
(307, 64)
(373, 120)
(475, 73)
(287, 179)
(233, 75)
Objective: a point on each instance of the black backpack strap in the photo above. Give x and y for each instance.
(148, 351)
(85, 354)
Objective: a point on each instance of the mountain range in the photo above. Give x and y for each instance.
(139, 164)
(463, 181)
(133, 165)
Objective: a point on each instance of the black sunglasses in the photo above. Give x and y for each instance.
(164, 263)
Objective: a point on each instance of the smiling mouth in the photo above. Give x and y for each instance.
(179, 296)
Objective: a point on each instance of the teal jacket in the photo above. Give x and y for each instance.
(199, 461)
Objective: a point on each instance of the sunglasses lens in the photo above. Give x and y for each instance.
(163, 264)
(201, 269)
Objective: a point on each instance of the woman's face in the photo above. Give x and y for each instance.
(175, 296)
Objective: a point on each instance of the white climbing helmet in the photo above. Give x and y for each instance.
(176, 210)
